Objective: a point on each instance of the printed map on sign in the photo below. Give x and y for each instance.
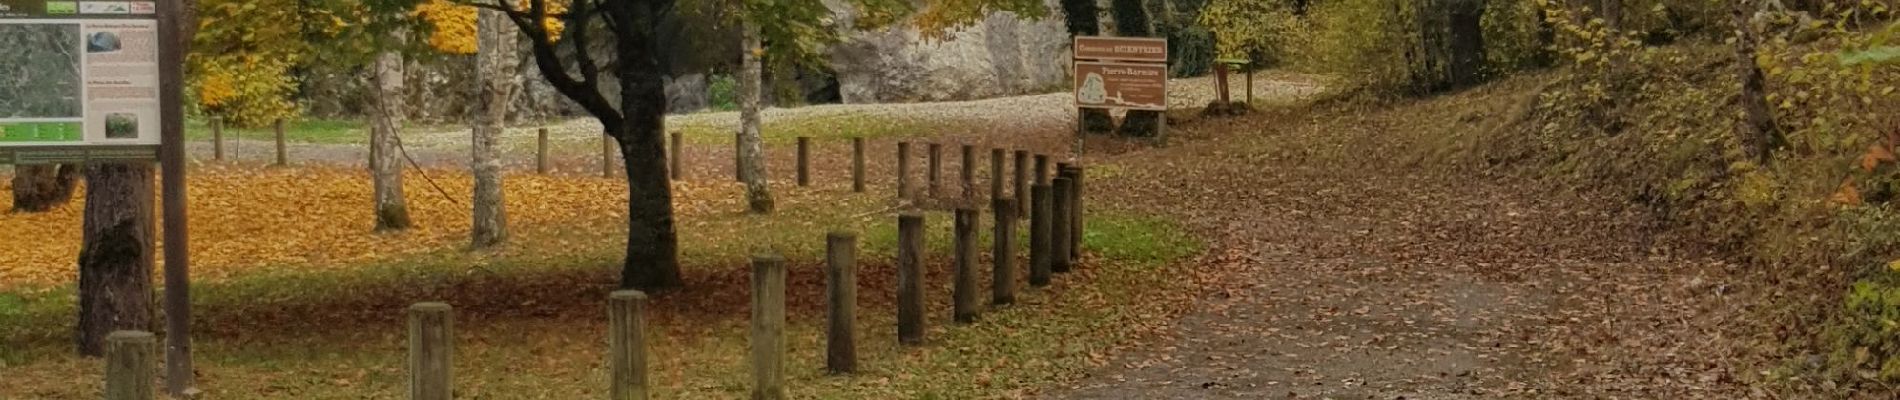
(80, 81)
(1121, 85)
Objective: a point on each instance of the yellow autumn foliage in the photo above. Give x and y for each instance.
(453, 25)
(250, 220)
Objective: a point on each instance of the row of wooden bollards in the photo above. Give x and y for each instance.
(217, 141)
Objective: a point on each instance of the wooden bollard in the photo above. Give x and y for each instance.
(1042, 169)
(934, 176)
(857, 165)
(606, 156)
(738, 158)
(1003, 252)
(540, 151)
(910, 278)
(431, 351)
(217, 138)
(768, 327)
(677, 161)
(1076, 237)
(1059, 260)
(627, 344)
(804, 161)
(903, 170)
(968, 173)
(1022, 183)
(283, 155)
(129, 359)
(996, 173)
(1039, 225)
(841, 283)
(965, 291)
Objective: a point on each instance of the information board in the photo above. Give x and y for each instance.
(1131, 86)
(80, 82)
(1109, 48)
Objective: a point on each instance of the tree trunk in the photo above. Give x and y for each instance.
(652, 244)
(496, 71)
(1466, 66)
(1757, 134)
(38, 188)
(385, 161)
(751, 144)
(115, 257)
(1083, 19)
(1131, 19)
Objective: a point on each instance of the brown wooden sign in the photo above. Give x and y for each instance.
(1133, 86)
(1137, 49)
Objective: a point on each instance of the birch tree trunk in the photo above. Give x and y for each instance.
(751, 144)
(496, 74)
(385, 160)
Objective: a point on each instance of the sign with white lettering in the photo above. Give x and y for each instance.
(1136, 49)
(80, 82)
(1121, 85)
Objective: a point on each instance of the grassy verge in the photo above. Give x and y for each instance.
(531, 323)
(326, 131)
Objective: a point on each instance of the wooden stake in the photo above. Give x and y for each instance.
(627, 345)
(857, 165)
(1003, 252)
(1039, 224)
(910, 278)
(768, 327)
(431, 351)
(841, 283)
(804, 163)
(964, 291)
(129, 359)
(540, 151)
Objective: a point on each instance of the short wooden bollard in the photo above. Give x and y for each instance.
(541, 151)
(1059, 260)
(738, 158)
(431, 351)
(964, 290)
(1039, 224)
(1022, 183)
(1075, 219)
(996, 173)
(1003, 252)
(968, 173)
(677, 161)
(934, 176)
(857, 165)
(768, 327)
(217, 139)
(841, 285)
(910, 278)
(129, 359)
(903, 170)
(627, 344)
(606, 156)
(804, 161)
(283, 155)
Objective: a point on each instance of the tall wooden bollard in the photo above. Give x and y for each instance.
(996, 173)
(283, 155)
(431, 351)
(804, 161)
(217, 138)
(768, 327)
(1042, 169)
(903, 170)
(968, 174)
(627, 344)
(540, 151)
(677, 161)
(841, 284)
(606, 156)
(1075, 220)
(1003, 252)
(1022, 183)
(738, 158)
(1059, 260)
(934, 176)
(964, 292)
(857, 165)
(129, 359)
(910, 278)
(1039, 224)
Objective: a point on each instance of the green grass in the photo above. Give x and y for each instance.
(323, 131)
(824, 127)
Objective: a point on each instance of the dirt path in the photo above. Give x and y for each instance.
(1353, 276)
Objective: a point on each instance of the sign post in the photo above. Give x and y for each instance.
(1129, 73)
(101, 82)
